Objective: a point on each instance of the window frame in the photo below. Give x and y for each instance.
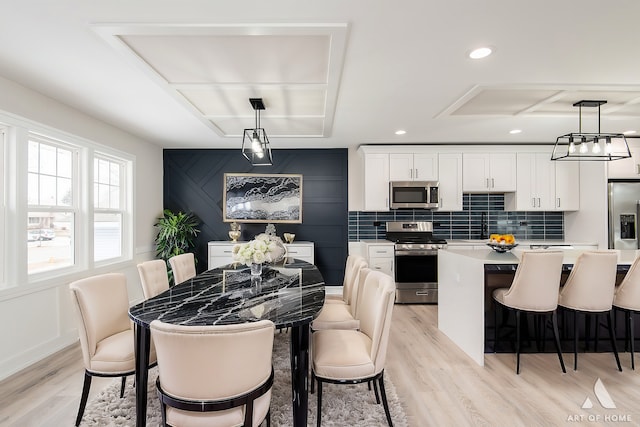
(14, 216)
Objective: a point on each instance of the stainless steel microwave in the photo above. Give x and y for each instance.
(413, 195)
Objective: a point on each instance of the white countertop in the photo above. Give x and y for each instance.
(489, 256)
(524, 243)
(377, 241)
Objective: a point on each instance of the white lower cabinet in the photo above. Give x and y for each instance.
(381, 257)
(220, 253)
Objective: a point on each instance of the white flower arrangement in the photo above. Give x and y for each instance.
(264, 248)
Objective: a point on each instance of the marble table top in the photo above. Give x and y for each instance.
(289, 293)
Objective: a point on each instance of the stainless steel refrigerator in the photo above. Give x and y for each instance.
(624, 203)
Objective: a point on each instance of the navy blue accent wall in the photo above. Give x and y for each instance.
(465, 224)
(193, 182)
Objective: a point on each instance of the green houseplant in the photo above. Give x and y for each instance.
(176, 234)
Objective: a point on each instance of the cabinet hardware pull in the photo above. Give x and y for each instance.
(487, 182)
(416, 173)
(411, 173)
(538, 201)
(558, 199)
(493, 183)
(533, 202)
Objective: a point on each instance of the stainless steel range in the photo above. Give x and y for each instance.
(416, 261)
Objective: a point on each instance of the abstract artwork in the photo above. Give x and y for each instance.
(262, 198)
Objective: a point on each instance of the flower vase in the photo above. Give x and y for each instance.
(256, 269)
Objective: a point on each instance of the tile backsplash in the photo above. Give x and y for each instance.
(465, 224)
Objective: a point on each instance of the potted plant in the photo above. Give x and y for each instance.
(176, 235)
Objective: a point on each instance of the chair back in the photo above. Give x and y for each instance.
(213, 362)
(377, 297)
(183, 267)
(153, 277)
(536, 282)
(351, 284)
(102, 305)
(591, 283)
(628, 294)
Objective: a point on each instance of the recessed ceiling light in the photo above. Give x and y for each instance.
(401, 132)
(629, 132)
(515, 131)
(481, 52)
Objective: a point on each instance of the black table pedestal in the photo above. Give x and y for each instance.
(300, 374)
(143, 342)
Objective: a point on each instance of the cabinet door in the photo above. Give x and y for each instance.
(525, 179)
(502, 172)
(545, 178)
(475, 172)
(401, 167)
(567, 186)
(626, 168)
(450, 178)
(376, 182)
(425, 167)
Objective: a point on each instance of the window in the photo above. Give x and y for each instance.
(51, 205)
(108, 208)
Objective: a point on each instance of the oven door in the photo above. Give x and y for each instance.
(416, 274)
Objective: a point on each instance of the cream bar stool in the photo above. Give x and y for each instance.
(534, 290)
(153, 277)
(106, 336)
(183, 267)
(339, 313)
(589, 289)
(627, 299)
(357, 356)
(217, 375)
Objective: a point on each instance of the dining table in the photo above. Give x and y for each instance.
(290, 293)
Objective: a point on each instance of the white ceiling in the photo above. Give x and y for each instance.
(334, 73)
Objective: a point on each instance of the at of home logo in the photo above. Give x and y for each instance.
(605, 400)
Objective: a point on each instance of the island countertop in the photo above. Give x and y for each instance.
(489, 256)
(461, 291)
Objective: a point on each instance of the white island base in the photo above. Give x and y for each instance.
(461, 302)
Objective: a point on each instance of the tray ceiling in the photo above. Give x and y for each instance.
(214, 70)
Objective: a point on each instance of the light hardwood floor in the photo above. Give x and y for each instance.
(437, 383)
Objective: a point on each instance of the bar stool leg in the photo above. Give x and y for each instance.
(632, 338)
(575, 340)
(613, 339)
(554, 321)
(518, 342)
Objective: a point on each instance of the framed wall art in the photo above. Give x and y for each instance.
(262, 198)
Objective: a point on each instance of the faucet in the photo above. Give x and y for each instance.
(484, 227)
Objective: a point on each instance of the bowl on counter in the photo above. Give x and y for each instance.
(498, 247)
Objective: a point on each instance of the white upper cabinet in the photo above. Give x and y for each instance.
(567, 186)
(450, 178)
(488, 172)
(535, 182)
(626, 168)
(376, 182)
(413, 167)
(544, 185)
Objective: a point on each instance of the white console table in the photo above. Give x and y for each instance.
(220, 252)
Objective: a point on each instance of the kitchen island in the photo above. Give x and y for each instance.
(462, 303)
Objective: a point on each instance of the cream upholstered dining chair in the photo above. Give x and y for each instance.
(218, 375)
(589, 289)
(347, 356)
(341, 313)
(534, 289)
(183, 267)
(106, 335)
(627, 299)
(153, 277)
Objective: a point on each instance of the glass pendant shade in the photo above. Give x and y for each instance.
(255, 143)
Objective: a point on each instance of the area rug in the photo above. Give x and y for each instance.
(342, 405)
